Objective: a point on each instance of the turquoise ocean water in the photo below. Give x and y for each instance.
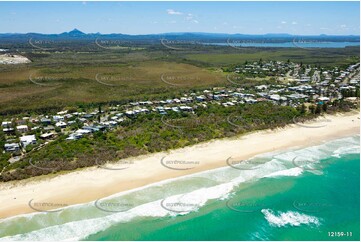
(301, 194)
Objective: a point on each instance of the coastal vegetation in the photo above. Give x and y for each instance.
(150, 133)
(81, 78)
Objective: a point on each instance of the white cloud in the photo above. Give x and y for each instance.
(173, 12)
(283, 22)
(343, 26)
(191, 18)
(294, 22)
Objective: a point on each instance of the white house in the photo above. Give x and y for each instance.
(6, 124)
(13, 147)
(27, 140)
(22, 128)
(47, 135)
(58, 118)
(275, 97)
(323, 99)
(61, 124)
(82, 131)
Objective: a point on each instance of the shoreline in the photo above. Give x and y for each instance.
(90, 184)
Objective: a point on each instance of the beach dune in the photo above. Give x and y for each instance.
(93, 183)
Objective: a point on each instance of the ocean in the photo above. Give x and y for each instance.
(300, 194)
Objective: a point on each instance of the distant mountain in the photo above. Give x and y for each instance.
(73, 33)
(76, 34)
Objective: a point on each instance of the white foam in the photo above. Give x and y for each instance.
(291, 218)
(353, 149)
(275, 164)
(80, 229)
(289, 172)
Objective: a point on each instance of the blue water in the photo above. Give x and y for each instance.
(300, 194)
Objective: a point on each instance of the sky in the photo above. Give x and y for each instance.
(301, 18)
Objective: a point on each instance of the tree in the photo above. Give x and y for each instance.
(312, 109)
(303, 109)
(324, 107)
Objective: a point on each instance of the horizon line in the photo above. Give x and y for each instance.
(181, 32)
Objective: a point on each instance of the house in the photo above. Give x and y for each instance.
(22, 128)
(354, 81)
(12, 147)
(68, 116)
(58, 118)
(83, 131)
(130, 113)
(27, 140)
(304, 80)
(250, 100)
(74, 136)
(275, 97)
(45, 121)
(47, 135)
(144, 110)
(49, 128)
(217, 97)
(9, 130)
(297, 96)
(61, 124)
(186, 108)
(91, 128)
(183, 100)
(87, 116)
(261, 87)
(323, 99)
(6, 124)
(101, 127)
(62, 112)
(175, 109)
(201, 98)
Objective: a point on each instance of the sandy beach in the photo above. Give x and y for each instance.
(93, 183)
